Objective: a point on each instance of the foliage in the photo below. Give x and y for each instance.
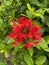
(38, 12)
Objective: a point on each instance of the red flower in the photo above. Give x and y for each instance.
(14, 44)
(30, 35)
(26, 22)
(13, 35)
(34, 43)
(24, 30)
(28, 45)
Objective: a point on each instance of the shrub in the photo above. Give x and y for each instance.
(24, 31)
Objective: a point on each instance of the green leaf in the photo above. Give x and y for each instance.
(48, 42)
(6, 54)
(46, 38)
(38, 15)
(39, 3)
(31, 9)
(47, 9)
(43, 45)
(2, 51)
(48, 23)
(31, 51)
(45, 3)
(36, 22)
(10, 41)
(18, 1)
(28, 6)
(7, 2)
(29, 15)
(28, 59)
(1, 23)
(14, 61)
(3, 62)
(41, 11)
(47, 20)
(40, 60)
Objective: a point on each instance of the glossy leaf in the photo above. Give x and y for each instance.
(28, 59)
(43, 45)
(40, 60)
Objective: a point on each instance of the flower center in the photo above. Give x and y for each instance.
(25, 31)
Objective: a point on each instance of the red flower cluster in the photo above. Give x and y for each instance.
(24, 32)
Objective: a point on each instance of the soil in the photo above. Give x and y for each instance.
(9, 58)
(2, 58)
